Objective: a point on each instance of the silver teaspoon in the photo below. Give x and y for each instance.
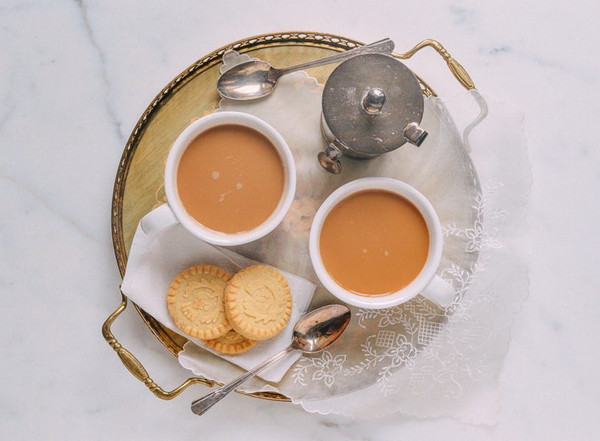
(255, 79)
(313, 333)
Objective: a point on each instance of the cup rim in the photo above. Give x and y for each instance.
(434, 255)
(194, 129)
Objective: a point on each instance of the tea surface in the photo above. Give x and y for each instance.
(230, 178)
(374, 242)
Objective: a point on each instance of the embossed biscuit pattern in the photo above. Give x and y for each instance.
(195, 301)
(258, 302)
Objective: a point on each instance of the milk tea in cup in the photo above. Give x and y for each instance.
(376, 243)
(230, 178)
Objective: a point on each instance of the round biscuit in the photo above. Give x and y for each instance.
(258, 302)
(195, 301)
(231, 343)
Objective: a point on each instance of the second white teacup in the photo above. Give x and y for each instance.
(350, 259)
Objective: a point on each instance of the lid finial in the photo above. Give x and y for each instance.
(373, 101)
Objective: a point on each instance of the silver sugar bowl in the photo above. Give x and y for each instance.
(372, 104)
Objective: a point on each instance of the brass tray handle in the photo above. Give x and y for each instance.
(134, 366)
(463, 78)
(455, 67)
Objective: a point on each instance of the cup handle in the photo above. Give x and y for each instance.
(158, 219)
(439, 291)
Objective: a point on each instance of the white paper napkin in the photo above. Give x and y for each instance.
(162, 248)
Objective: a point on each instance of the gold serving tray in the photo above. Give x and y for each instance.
(190, 95)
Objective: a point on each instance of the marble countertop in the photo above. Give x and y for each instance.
(75, 76)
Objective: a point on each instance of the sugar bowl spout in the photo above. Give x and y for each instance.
(414, 134)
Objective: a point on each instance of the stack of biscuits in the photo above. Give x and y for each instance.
(231, 313)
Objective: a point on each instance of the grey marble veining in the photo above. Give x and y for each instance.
(103, 68)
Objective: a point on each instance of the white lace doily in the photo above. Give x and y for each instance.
(416, 358)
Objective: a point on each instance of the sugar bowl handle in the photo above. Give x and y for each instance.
(414, 134)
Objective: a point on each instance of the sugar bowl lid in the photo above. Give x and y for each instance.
(370, 103)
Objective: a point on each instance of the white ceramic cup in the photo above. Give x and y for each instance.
(426, 283)
(184, 140)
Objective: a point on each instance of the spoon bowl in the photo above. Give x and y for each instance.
(248, 80)
(312, 333)
(319, 328)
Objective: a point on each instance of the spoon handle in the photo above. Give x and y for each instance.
(201, 405)
(385, 46)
